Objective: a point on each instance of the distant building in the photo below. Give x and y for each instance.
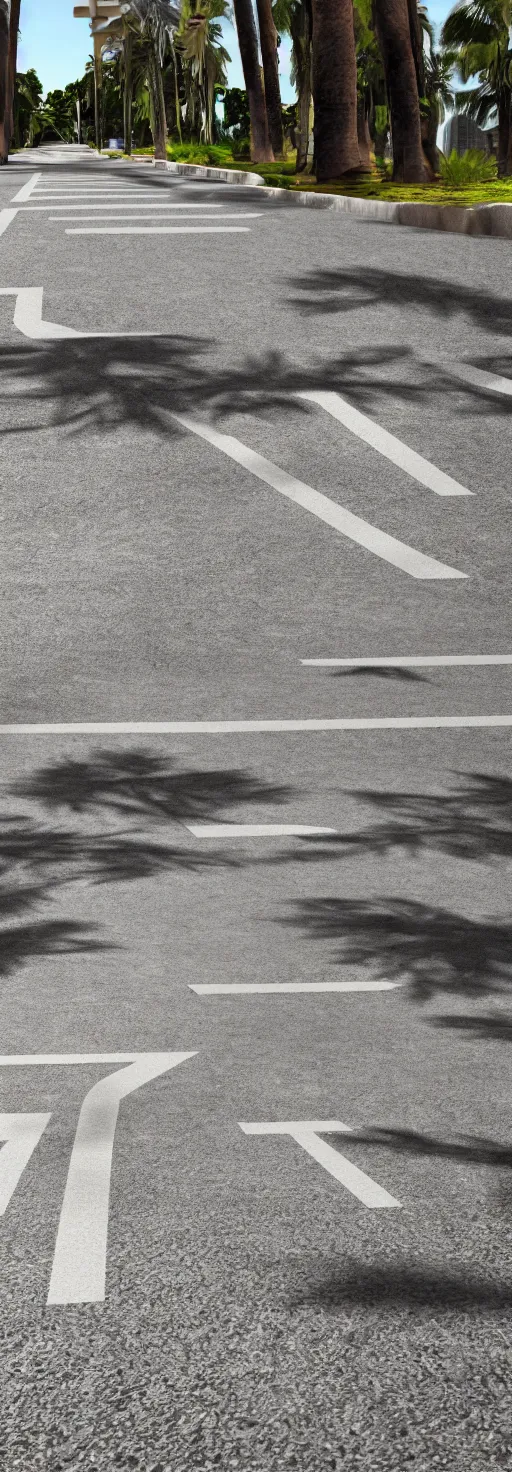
(462, 133)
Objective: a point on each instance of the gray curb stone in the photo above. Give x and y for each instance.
(480, 219)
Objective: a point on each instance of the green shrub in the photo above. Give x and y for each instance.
(472, 167)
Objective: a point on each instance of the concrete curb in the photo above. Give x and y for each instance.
(480, 219)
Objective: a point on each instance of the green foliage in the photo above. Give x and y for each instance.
(236, 111)
(472, 167)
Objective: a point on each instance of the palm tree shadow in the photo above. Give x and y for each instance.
(137, 789)
(381, 672)
(435, 950)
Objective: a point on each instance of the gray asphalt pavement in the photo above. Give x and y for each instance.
(246, 1300)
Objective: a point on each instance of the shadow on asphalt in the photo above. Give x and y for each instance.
(468, 1149)
(134, 788)
(402, 1286)
(97, 385)
(495, 1027)
(381, 672)
(395, 939)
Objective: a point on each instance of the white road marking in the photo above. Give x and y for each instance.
(386, 444)
(351, 526)
(80, 1260)
(162, 230)
(283, 988)
(307, 1134)
(6, 218)
(21, 1133)
(29, 320)
(58, 219)
(480, 377)
(133, 205)
(221, 728)
(402, 661)
(26, 189)
(253, 830)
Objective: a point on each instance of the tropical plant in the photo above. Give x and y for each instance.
(294, 17)
(28, 91)
(479, 31)
(269, 41)
(472, 167)
(439, 97)
(204, 59)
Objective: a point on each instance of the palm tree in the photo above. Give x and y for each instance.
(334, 89)
(439, 97)
(205, 60)
(269, 56)
(295, 18)
(393, 26)
(157, 19)
(4, 83)
(261, 147)
(479, 32)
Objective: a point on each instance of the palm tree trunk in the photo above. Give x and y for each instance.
(334, 89)
(300, 30)
(4, 70)
(363, 137)
(127, 91)
(156, 87)
(504, 134)
(98, 94)
(268, 43)
(393, 31)
(261, 147)
(14, 25)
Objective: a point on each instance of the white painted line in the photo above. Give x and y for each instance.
(57, 220)
(253, 830)
(28, 318)
(285, 988)
(6, 218)
(26, 189)
(222, 728)
(80, 1260)
(402, 661)
(21, 1133)
(351, 526)
(386, 444)
(307, 1134)
(162, 230)
(480, 377)
(132, 205)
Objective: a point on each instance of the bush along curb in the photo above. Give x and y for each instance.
(478, 219)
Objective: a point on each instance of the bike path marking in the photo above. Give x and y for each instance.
(307, 1134)
(386, 444)
(389, 549)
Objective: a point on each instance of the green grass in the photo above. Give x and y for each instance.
(282, 175)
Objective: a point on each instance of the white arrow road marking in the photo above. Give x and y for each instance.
(21, 1133)
(351, 526)
(307, 1134)
(393, 449)
(283, 988)
(80, 1260)
(26, 189)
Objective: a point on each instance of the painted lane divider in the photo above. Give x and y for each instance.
(239, 215)
(386, 444)
(26, 189)
(28, 318)
(285, 988)
(402, 661)
(353, 527)
(132, 204)
(6, 218)
(307, 1133)
(480, 377)
(254, 830)
(161, 230)
(80, 1259)
(221, 728)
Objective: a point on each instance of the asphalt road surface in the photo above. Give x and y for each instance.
(256, 943)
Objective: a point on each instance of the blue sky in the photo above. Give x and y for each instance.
(58, 46)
